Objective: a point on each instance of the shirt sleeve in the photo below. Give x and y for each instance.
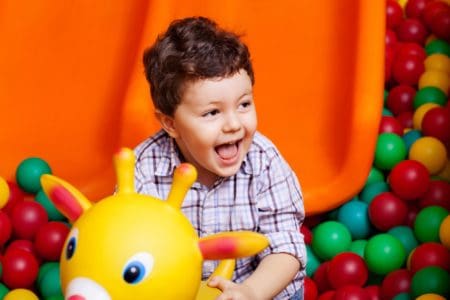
(280, 210)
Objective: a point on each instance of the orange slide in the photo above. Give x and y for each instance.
(72, 88)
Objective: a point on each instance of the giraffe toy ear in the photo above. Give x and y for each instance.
(66, 198)
(236, 244)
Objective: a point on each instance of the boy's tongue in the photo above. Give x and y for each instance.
(227, 151)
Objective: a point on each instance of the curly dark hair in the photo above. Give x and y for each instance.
(191, 49)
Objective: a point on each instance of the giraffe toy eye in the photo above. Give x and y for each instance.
(138, 267)
(72, 244)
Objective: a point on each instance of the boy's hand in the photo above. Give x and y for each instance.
(231, 290)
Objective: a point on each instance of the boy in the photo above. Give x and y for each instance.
(201, 81)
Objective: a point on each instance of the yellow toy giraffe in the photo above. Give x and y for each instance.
(132, 246)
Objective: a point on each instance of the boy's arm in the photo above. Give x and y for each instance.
(271, 276)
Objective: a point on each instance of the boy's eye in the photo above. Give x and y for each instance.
(246, 104)
(211, 113)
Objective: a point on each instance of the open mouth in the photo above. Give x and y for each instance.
(228, 151)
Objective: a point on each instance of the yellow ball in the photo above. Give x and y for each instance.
(402, 3)
(444, 232)
(430, 297)
(438, 62)
(420, 113)
(4, 192)
(445, 172)
(436, 79)
(20, 294)
(430, 152)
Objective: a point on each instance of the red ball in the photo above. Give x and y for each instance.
(406, 119)
(390, 40)
(390, 124)
(409, 179)
(5, 228)
(388, 61)
(25, 245)
(438, 193)
(311, 292)
(394, 283)
(321, 278)
(49, 240)
(373, 292)
(412, 30)
(350, 292)
(436, 123)
(394, 14)
(20, 269)
(307, 234)
(415, 8)
(16, 195)
(328, 295)
(347, 268)
(401, 99)
(430, 11)
(407, 69)
(413, 210)
(387, 210)
(440, 25)
(27, 217)
(408, 48)
(430, 254)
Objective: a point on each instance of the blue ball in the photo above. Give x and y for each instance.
(410, 137)
(354, 215)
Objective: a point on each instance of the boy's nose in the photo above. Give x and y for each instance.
(232, 122)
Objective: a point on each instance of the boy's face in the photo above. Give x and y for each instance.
(214, 125)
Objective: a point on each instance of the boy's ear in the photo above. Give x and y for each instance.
(167, 123)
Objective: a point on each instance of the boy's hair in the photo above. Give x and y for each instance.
(191, 49)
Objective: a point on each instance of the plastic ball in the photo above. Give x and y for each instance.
(16, 195)
(357, 247)
(420, 113)
(353, 292)
(373, 292)
(26, 218)
(394, 14)
(444, 232)
(432, 8)
(49, 283)
(444, 174)
(430, 152)
(28, 173)
(407, 48)
(5, 228)
(409, 179)
(25, 245)
(430, 280)
(430, 254)
(330, 238)
(406, 236)
(20, 269)
(328, 295)
(373, 189)
(49, 240)
(440, 24)
(4, 192)
(410, 137)
(389, 151)
(320, 277)
(428, 222)
(436, 123)
(407, 69)
(375, 175)
(438, 62)
(21, 294)
(3, 290)
(437, 46)
(402, 296)
(438, 193)
(387, 211)
(412, 30)
(406, 119)
(353, 215)
(401, 98)
(313, 261)
(437, 79)
(347, 268)
(429, 94)
(307, 234)
(415, 8)
(430, 296)
(396, 282)
(384, 254)
(390, 124)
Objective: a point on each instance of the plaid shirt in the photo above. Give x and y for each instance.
(264, 196)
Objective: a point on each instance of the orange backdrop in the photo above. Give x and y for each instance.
(72, 88)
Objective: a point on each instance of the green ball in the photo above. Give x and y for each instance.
(49, 283)
(429, 94)
(329, 239)
(437, 46)
(3, 291)
(44, 269)
(428, 222)
(430, 280)
(384, 253)
(28, 174)
(387, 112)
(357, 247)
(373, 189)
(390, 150)
(405, 235)
(402, 296)
(56, 297)
(313, 261)
(52, 212)
(375, 175)
(385, 95)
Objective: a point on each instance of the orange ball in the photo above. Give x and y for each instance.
(430, 152)
(444, 232)
(438, 62)
(434, 78)
(420, 112)
(430, 296)
(4, 192)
